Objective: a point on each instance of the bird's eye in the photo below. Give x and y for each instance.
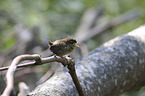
(72, 41)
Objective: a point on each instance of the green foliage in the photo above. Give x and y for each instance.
(62, 16)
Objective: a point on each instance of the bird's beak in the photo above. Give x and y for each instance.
(75, 44)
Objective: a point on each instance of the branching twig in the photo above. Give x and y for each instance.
(10, 72)
(38, 61)
(43, 61)
(73, 74)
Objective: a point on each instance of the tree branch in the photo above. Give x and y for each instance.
(43, 61)
(73, 74)
(10, 72)
(38, 61)
(116, 67)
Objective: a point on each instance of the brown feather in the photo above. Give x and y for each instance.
(63, 46)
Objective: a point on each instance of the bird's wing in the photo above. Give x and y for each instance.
(57, 48)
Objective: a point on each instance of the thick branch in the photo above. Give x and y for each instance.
(116, 67)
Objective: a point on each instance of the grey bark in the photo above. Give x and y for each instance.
(113, 68)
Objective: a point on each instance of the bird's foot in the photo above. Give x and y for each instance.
(66, 57)
(55, 55)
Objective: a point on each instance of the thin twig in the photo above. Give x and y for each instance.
(73, 74)
(12, 68)
(38, 61)
(33, 63)
(10, 72)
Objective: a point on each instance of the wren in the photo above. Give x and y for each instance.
(63, 46)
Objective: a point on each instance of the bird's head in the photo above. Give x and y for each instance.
(71, 41)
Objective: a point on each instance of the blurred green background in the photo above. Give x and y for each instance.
(27, 25)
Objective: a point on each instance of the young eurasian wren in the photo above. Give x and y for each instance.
(63, 46)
